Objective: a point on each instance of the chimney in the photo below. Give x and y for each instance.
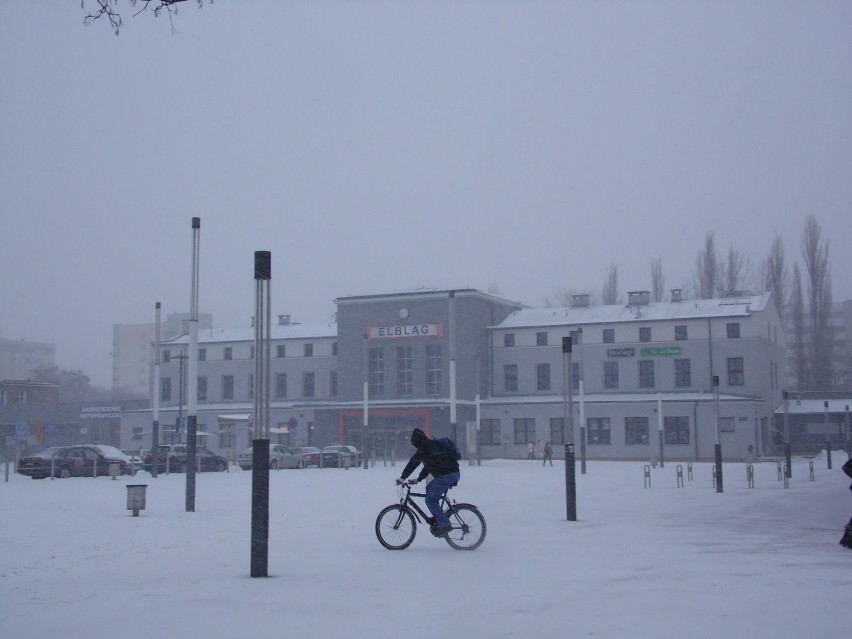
(580, 301)
(283, 320)
(677, 295)
(638, 298)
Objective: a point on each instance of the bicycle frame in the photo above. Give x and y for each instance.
(419, 513)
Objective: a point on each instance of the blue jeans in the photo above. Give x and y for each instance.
(434, 490)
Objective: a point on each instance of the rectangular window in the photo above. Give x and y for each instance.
(646, 373)
(636, 431)
(202, 354)
(22, 397)
(227, 437)
(489, 432)
(308, 385)
(644, 333)
(541, 338)
(542, 377)
(683, 372)
(202, 389)
(332, 383)
(229, 353)
(556, 430)
(376, 372)
(676, 429)
(510, 378)
(309, 350)
(166, 389)
(609, 336)
(251, 352)
(733, 329)
(434, 370)
(280, 385)
(736, 374)
(3, 397)
(227, 387)
(167, 356)
(508, 339)
(404, 371)
(680, 333)
(137, 433)
(280, 350)
(598, 431)
(524, 430)
(334, 348)
(610, 374)
(251, 386)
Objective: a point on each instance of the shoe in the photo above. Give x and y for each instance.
(846, 541)
(443, 531)
(431, 521)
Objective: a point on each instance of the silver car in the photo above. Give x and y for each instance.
(280, 456)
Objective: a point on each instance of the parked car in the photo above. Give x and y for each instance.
(135, 459)
(176, 456)
(341, 457)
(89, 460)
(311, 456)
(280, 456)
(38, 466)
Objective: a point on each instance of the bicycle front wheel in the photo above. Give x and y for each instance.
(469, 528)
(396, 527)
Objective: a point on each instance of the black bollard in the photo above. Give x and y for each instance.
(570, 482)
(260, 508)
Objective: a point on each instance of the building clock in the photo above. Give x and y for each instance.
(403, 313)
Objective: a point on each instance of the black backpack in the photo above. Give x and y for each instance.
(449, 447)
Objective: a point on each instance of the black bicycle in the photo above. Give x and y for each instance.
(396, 525)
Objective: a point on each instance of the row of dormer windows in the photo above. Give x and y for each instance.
(280, 352)
(608, 336)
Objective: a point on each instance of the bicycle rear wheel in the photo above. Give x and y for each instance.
(469, 528)
(396, 527)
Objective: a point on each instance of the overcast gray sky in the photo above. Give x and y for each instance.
(378, 146)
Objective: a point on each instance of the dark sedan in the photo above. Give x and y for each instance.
(38, 466)
(207, 460)
(310, 456)
(340, 457)
(89, 461)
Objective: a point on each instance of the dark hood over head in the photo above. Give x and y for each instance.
(418, 437)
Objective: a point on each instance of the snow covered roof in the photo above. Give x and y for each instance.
(278, 331)
(424, 291)
(607, 314)
(619, 398)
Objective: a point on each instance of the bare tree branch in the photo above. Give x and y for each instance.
(108, 9)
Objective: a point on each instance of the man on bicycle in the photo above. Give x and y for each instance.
(444, 470)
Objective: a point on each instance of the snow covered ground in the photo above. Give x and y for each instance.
(640, 562)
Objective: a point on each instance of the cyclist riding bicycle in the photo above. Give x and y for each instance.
(444, 470)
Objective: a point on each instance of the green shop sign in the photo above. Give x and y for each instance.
(656, 351)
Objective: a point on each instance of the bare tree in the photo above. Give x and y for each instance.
(658, 280)
(800, 360)
(815, 254)
(775, 274)
(707, 270)
(609, 294)
(735, 274)
(109, 10)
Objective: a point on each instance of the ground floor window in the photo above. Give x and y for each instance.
(598, 431)
(636, 430)
(227, 438)
(524, 430)
(676, 429)
(489, 432)
(556, 431)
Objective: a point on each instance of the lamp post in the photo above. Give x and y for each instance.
(788, 452)
(827, 435)
(568, 427)
(155, 399)
(718, 447)
(181, 359)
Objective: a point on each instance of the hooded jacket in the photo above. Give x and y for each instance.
(432, 455)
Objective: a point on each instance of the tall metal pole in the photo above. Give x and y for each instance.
(260, 443)
(478, 404)
(581, 387)
(568, 427)
(718, 447)
(453, 428)
(366, 398)
(788, 449)
(155, 399)
(192, 373)
(827, 436)
(660, 428)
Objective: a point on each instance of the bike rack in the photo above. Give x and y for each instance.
(647, 476)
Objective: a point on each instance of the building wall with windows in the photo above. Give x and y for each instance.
(641, 370)
(19, 358)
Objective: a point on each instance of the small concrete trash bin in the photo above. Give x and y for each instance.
(136, 498)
